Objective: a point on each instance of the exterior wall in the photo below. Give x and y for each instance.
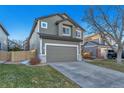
(35, 40)
(103, 53)
(3, 40)
(60, 25)
(52, 27)
(57, 29)
(74, 32)
(43, 56)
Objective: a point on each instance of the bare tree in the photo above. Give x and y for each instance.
(15, 45)
(109, 22)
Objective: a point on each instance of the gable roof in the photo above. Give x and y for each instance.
(5, 31)
(39, 18)
(71, 20)
(63, 18)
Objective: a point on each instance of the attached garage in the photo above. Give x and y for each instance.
(61, 53)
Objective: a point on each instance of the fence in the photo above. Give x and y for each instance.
(5, 55)
(16, 56)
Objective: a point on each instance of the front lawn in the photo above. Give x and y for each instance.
(20, 76)
(109, 64)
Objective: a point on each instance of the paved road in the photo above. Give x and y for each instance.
(90, 76)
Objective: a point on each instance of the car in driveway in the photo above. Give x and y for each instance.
(111, 54)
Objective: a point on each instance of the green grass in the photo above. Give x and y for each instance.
(109, 64)
(20, 76)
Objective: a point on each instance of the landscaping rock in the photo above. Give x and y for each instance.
(1, 62)
(25, 62)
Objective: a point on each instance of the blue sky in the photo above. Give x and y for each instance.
(18, 20)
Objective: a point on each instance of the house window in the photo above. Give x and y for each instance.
(66, 30)
(44, 25)
(78, 34)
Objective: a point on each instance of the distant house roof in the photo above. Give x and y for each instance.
(93, 43)
(61, 15)
(90, 35)
(5, 31)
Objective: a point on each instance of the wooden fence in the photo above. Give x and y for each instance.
(5, 56)
(16, 56)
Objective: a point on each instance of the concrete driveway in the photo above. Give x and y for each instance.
(90, 76)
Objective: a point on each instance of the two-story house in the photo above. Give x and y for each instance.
(97, 46)
(57, 38)
(3, 38)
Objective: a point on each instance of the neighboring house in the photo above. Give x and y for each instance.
(96, 46)
(3, 38)
(57, 38)
(26, 44)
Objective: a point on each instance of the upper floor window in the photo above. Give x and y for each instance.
(78, 34)
(44, 25)
(66, 30)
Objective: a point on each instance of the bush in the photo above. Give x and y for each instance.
(35, 61)
(87, 55)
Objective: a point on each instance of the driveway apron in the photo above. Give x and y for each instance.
(90, 76)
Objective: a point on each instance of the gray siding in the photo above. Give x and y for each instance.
(3, 40)
(74, 32)
(60, 25)
(57, 29)
(73, 29)
(52, 27)
(35, 40)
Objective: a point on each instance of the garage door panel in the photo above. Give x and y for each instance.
(61, 54)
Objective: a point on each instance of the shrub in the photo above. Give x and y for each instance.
(87, 55)
(35, 61)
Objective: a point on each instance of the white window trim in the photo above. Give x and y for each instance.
(79, 32)
(69, 31)
(66, 45)
(45, 23)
